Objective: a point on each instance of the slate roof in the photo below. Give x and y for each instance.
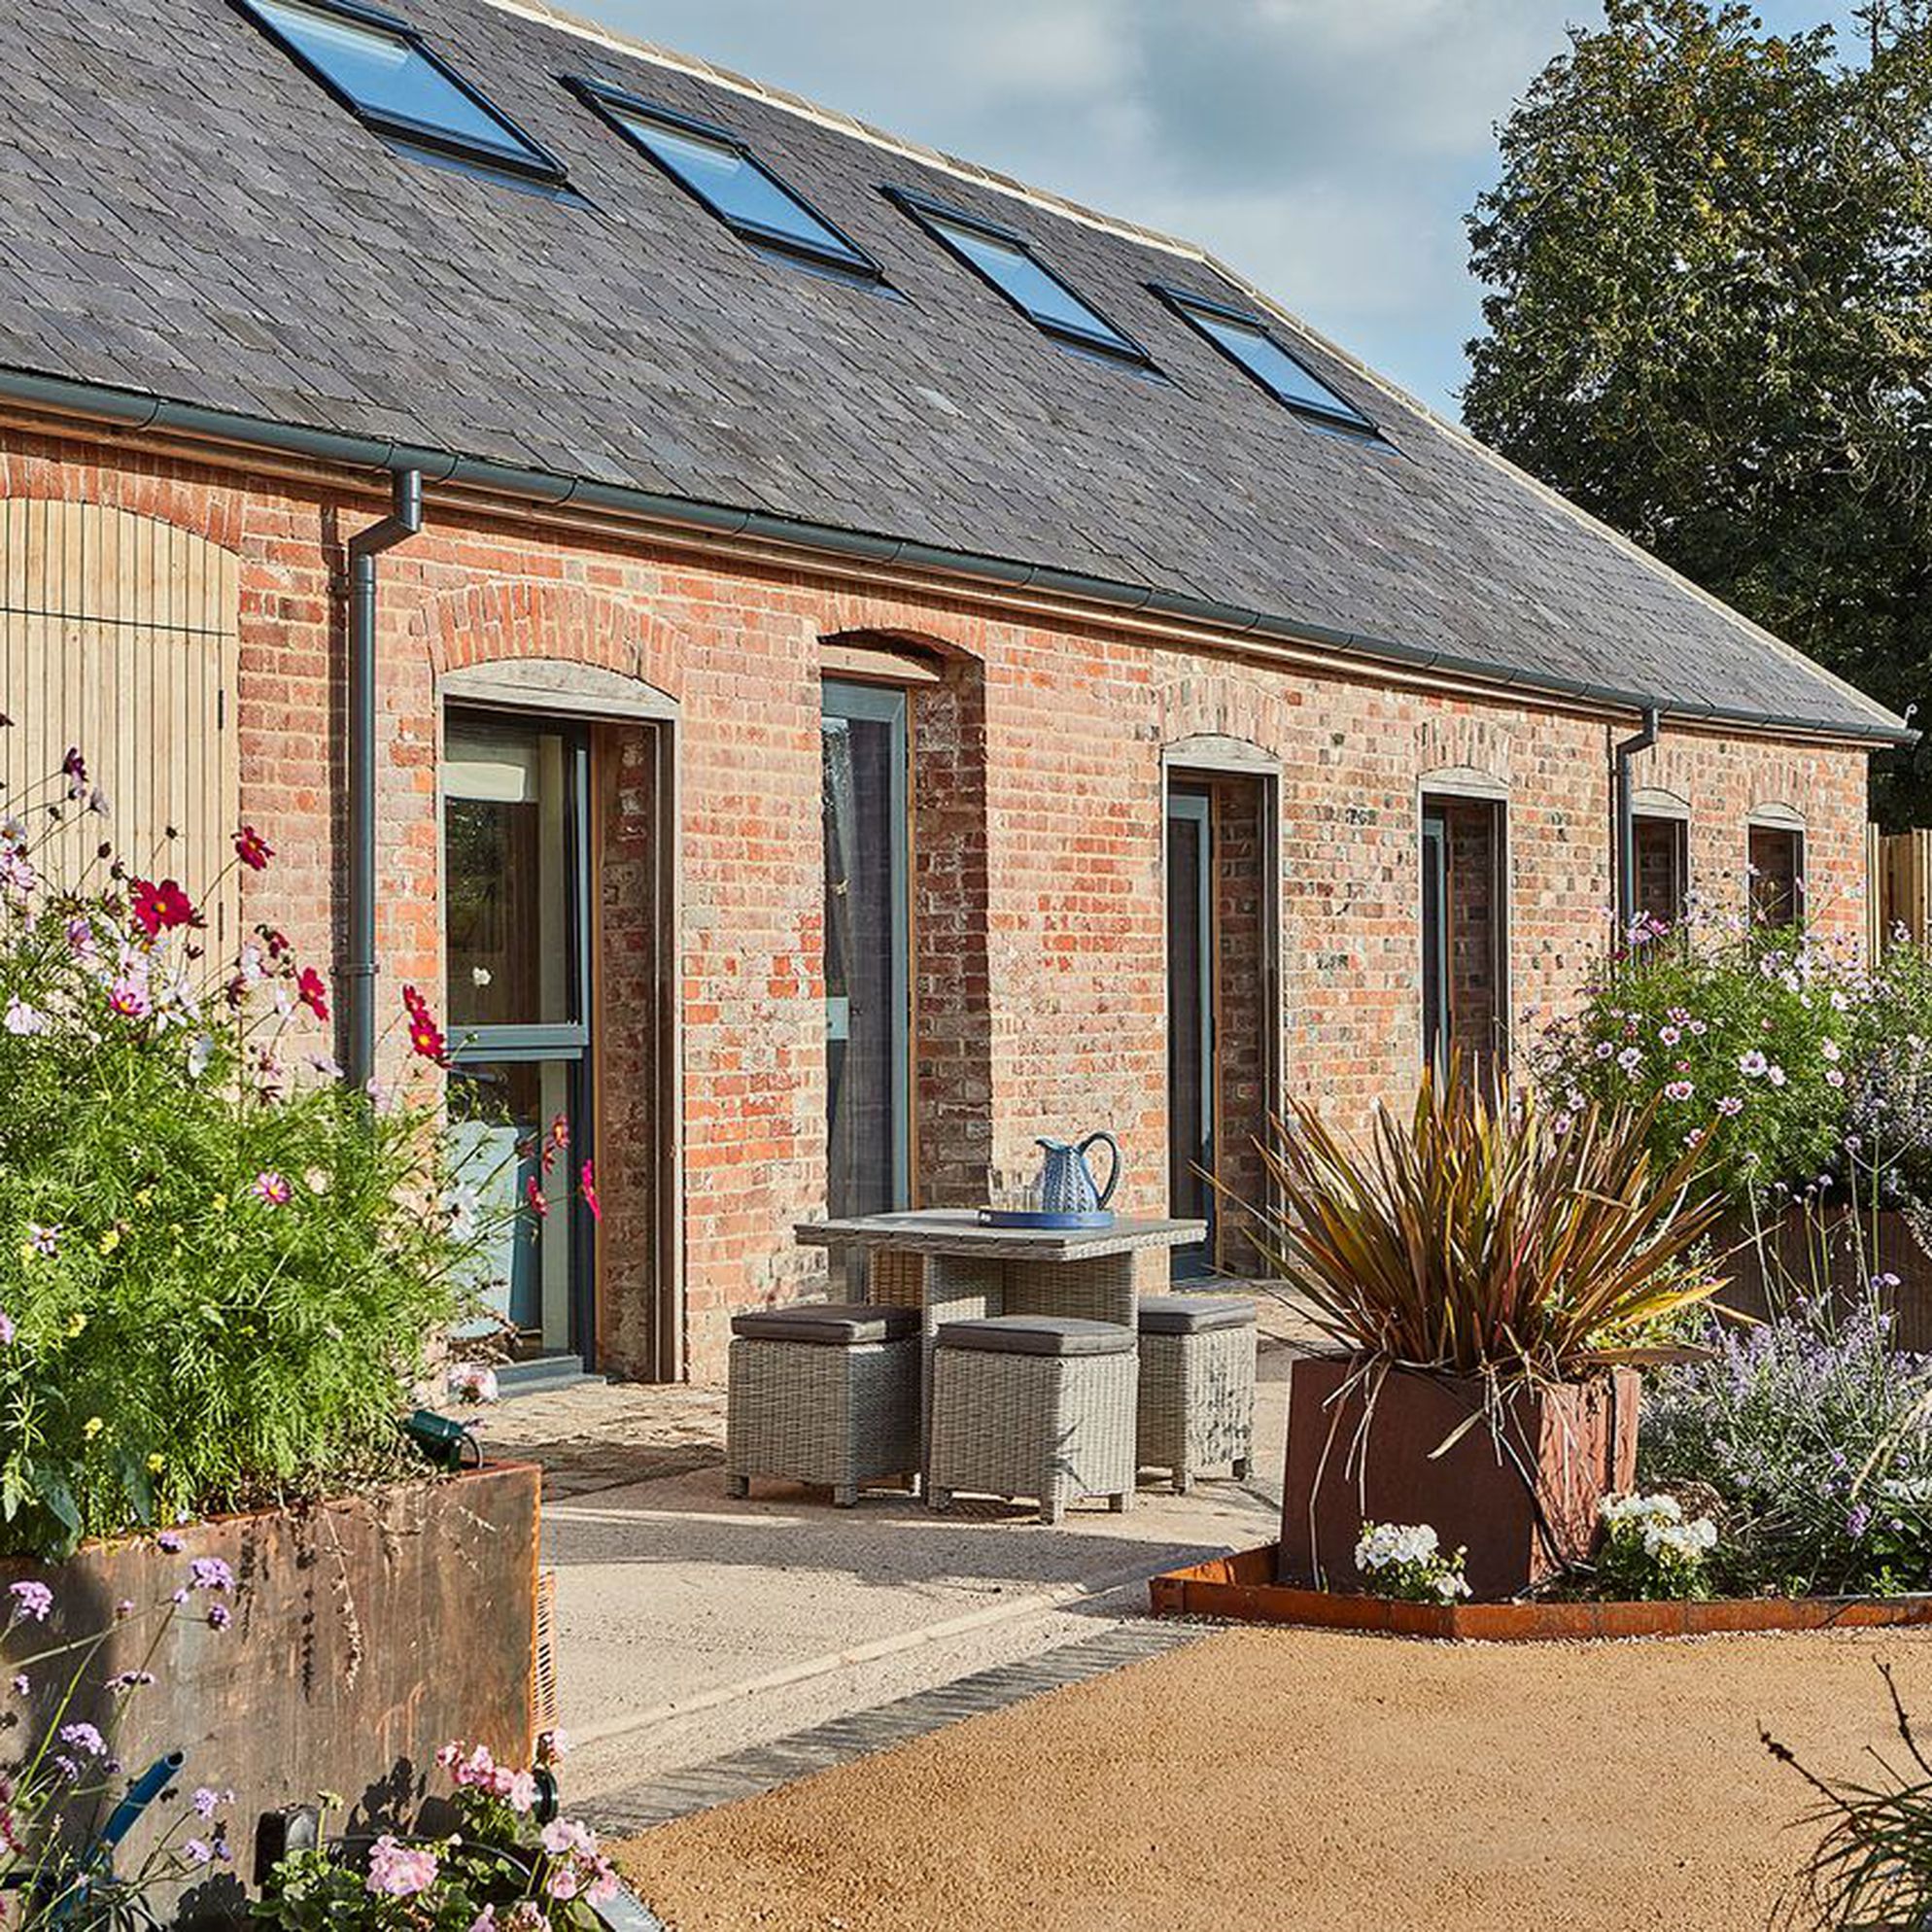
(183, 210)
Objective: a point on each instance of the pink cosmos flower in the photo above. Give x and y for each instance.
(1731, 1106)
(161, 908)
(272, 1188)
(588, 1180)
(313, 992)
(252, 849)
(128, 997)
(540, 1201)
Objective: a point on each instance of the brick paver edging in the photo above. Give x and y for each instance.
(762, 1768)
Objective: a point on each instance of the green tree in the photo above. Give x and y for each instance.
(1710, 320)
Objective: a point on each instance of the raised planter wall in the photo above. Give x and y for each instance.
(1345, 1467)
(1840, 1250)
(368, 1631)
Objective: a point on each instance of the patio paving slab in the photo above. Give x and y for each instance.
(692, 1627)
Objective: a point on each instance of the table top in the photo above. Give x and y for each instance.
(961, 1232)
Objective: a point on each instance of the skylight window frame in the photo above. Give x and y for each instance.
(1117, 346)
(1190, 307)
(522, 154)
(610, 104)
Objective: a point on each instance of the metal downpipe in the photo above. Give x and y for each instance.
(357, 972)
(1626, 810)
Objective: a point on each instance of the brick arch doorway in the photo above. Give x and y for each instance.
(559, 915)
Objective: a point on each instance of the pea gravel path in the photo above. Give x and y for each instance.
(1285, 1779)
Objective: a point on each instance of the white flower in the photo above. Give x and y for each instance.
(1829, 1048)
(200, 1051)
(23, 1020)
(1637, 1507)
(1753, 1065)
(1775, 1076)
(472, 1382)
(1449, 1586)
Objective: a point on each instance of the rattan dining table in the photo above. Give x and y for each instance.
(952, 1266)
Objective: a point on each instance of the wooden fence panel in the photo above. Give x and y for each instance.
(119, 635)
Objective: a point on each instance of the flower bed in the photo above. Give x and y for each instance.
(1242, 1589)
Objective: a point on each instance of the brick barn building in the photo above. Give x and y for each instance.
(826, 662)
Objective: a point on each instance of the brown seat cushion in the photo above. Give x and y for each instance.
(1037, 1334)
(1194, 1314)
(830, 1324)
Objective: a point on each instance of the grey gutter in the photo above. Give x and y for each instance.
(1626, 810)
(357, 970)
(138, 410)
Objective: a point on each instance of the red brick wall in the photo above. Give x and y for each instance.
(1048, 993)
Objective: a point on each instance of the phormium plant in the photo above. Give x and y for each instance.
(1488, 1234)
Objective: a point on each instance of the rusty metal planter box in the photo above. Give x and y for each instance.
(368, 1631)
(1242, 1589)
(1576, 1440)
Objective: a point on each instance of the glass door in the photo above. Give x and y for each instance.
(1435, 943)
(868, 951)
(1190, 1083)
(516, 943)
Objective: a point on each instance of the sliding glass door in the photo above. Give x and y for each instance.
(516, 939)
(867, 949)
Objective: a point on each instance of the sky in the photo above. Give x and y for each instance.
(1328, 148)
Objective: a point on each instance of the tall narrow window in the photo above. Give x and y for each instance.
(1776, 874)
(515, 935)
(1663, 869)
(1007, 263)
(1464, 959)
(868, 963)
(380, 69)
(1191, 1041)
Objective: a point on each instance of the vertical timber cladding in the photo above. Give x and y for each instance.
(119, 636)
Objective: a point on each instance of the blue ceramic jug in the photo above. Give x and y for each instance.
(1066, 1182)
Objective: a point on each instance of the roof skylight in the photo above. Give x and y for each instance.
(378, 67)
(1006, 261)
(716, 168)
(1246, 340)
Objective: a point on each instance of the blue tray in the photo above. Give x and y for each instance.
(1024, 1218)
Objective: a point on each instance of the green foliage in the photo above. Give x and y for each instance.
(1731, 1042)
(1709, 258)
(1789, 1065)
(1485, 1235)
(219, 1268)
(1874, 1866)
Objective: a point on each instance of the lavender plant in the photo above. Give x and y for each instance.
(1817, 1435)
(65, 1722)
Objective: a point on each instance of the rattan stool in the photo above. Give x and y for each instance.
(1196, 1385)
(823, 1392)
(1033, 1405)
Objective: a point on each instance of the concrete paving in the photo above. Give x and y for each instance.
(691, 1628)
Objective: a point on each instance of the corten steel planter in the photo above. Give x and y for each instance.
(367, 1633)
(1841, 1249)
(1523, 1509)
(1242, 1589)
